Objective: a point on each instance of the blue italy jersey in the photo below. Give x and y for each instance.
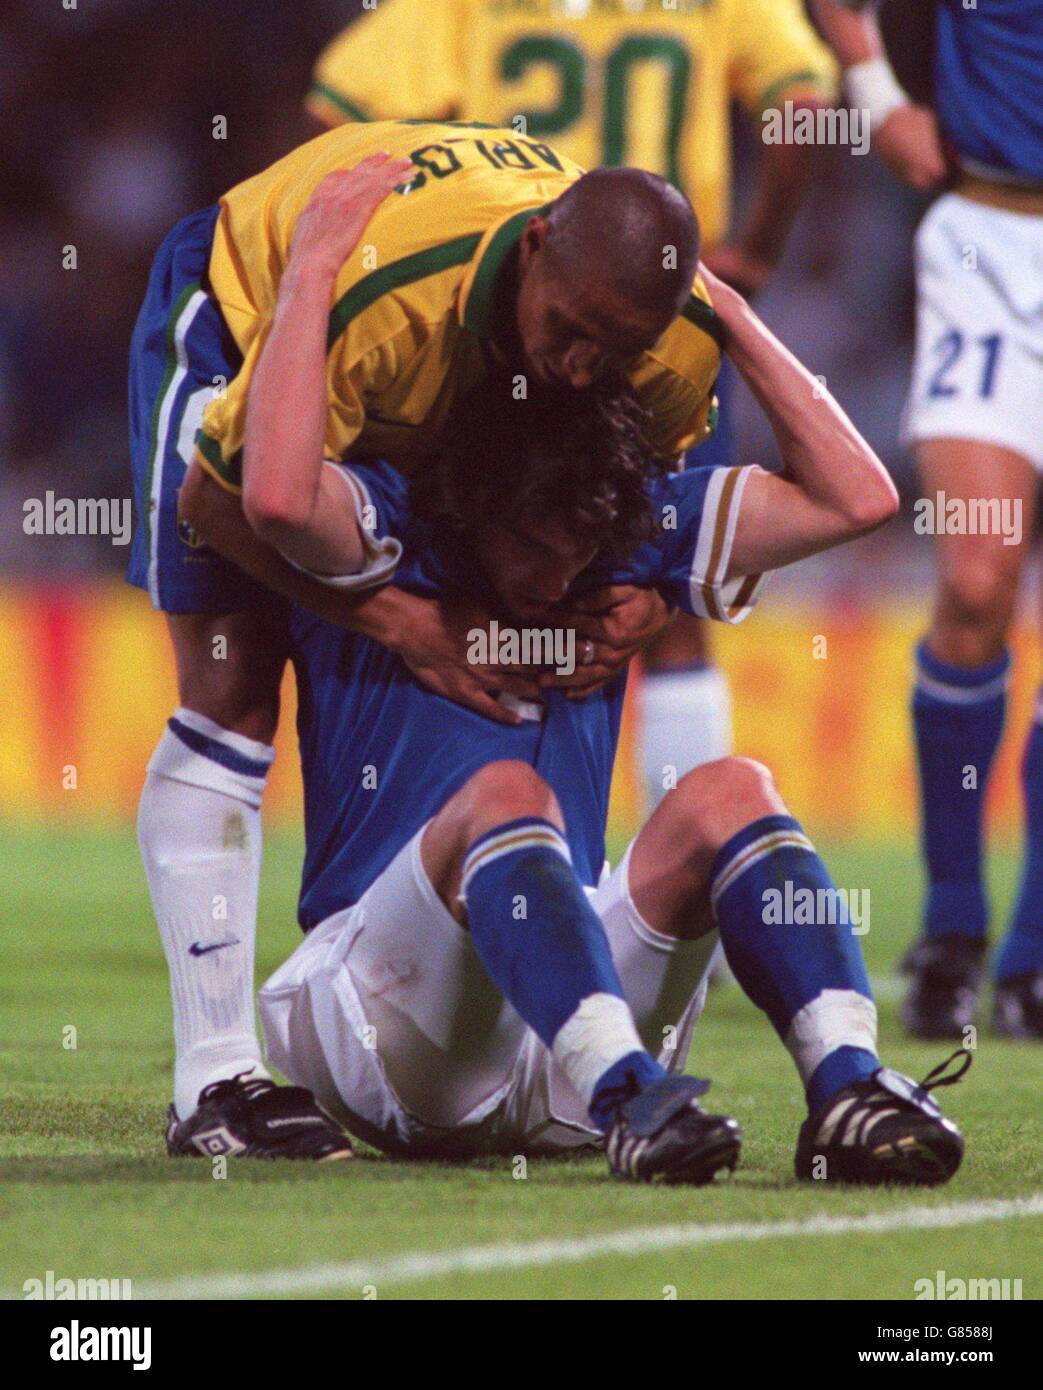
(381, 754)
(989, 85)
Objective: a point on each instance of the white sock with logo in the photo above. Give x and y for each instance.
(199, 831)
(684, 719)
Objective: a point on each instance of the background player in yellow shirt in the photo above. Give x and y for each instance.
(634, 82)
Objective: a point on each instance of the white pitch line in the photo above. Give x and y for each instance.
(424, 1265)
(885, 988)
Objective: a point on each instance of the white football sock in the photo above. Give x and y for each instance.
(199, 830)
(665, 982)
(599, 1034)
(684, 719)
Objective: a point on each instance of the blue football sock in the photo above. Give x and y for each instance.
(789, 937)
(545, 948)
(1022, 949)
(958, 719)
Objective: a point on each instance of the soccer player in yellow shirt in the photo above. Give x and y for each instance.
(483, 247)
(614, 82)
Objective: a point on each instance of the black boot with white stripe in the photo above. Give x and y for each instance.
(661, 1135)
(884, 1130)
(241, 1118)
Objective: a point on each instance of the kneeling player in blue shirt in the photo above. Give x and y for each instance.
(471, 981)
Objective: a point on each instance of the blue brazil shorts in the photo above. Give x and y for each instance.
(180, 353)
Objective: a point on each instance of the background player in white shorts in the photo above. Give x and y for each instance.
(975, 420)
(460, 990)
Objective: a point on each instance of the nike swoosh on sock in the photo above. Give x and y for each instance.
(197, 950)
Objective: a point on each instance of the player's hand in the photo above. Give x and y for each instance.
(435, 645)
(911, 145)
(331, 225)
(612, 625)
(736, 267)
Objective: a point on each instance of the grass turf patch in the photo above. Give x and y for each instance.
(85, 1189)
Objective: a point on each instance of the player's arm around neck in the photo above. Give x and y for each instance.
(290, 498)
(832, 488)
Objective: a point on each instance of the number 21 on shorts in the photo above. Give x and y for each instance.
(957, 358)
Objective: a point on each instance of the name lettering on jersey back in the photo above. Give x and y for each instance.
(441, 159)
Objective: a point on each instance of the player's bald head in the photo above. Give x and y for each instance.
(603, 273)
(629, 231)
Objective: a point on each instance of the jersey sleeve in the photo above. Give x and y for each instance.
(384, 499)
(219, 440)
(355, 367)
(381, 550)
(377, 495)
(776, 56)
(398, 60)
(675, 382)
(697, 514)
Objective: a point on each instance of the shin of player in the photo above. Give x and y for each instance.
(711, 858)
(199, 830)
(499, 857)
(725, 854)
(499, 854)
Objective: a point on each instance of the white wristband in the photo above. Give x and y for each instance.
(872, 86)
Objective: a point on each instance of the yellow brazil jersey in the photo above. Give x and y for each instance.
(411, 316)
(641, 82)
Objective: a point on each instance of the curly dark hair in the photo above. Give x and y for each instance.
(580, 458)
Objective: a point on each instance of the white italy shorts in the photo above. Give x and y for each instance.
(978, 369)
(386, 1013)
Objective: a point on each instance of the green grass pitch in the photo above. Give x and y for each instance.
(86, 1190)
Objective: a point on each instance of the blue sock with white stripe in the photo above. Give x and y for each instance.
(544, 947)
(958, 718)
(788, 936)
(1022, 949)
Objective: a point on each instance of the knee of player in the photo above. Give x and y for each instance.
(732, 777)
(980, 594)
(506, 790)
(710, 797)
